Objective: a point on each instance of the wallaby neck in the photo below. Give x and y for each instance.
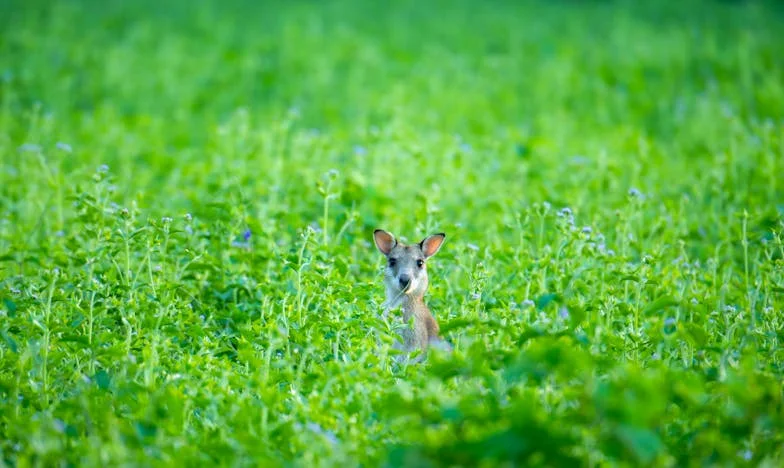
(414, 306)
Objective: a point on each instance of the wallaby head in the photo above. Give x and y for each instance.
(406, 271)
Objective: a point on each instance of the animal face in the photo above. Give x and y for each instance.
(406, 270)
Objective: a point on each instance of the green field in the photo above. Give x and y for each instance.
(188, 192)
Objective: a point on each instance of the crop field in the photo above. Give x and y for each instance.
(189, 189)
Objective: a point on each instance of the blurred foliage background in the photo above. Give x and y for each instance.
(188, 192)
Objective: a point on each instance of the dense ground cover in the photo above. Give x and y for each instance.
(188, 192)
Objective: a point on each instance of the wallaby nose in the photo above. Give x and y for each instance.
(404, 280)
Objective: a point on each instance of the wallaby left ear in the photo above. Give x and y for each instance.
(431, 244)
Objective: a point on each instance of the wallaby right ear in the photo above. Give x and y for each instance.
(384, 241)
(431, 244)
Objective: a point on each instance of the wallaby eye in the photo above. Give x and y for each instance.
(392, 262)
(420, 263)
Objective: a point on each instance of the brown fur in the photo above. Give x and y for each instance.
(425, 325)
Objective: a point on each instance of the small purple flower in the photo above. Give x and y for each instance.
(580, 159)
(30, 147)
(670, 325)
(587, 230)
(360, 150)
(314, 427)
(329, 435)
(245, 243)
(528, 303)
(563, 312)
(103, 168)
(473, 247)
(64, 147)
(635, 193)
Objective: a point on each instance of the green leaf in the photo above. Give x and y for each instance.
(456, 324)
(696, 334)
(545, 299)
(644, 444)
(11, 307)
(659, 304)
(102, 379)
(527, 335)
(522, 150)
(73, 338)
(137, 232)
(145, 429)
(9, 341)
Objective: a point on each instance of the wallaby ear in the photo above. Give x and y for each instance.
(431, 244)
(384, 241)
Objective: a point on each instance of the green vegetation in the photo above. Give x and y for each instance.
(188, 192)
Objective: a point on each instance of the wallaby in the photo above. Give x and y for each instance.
(406, 282)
